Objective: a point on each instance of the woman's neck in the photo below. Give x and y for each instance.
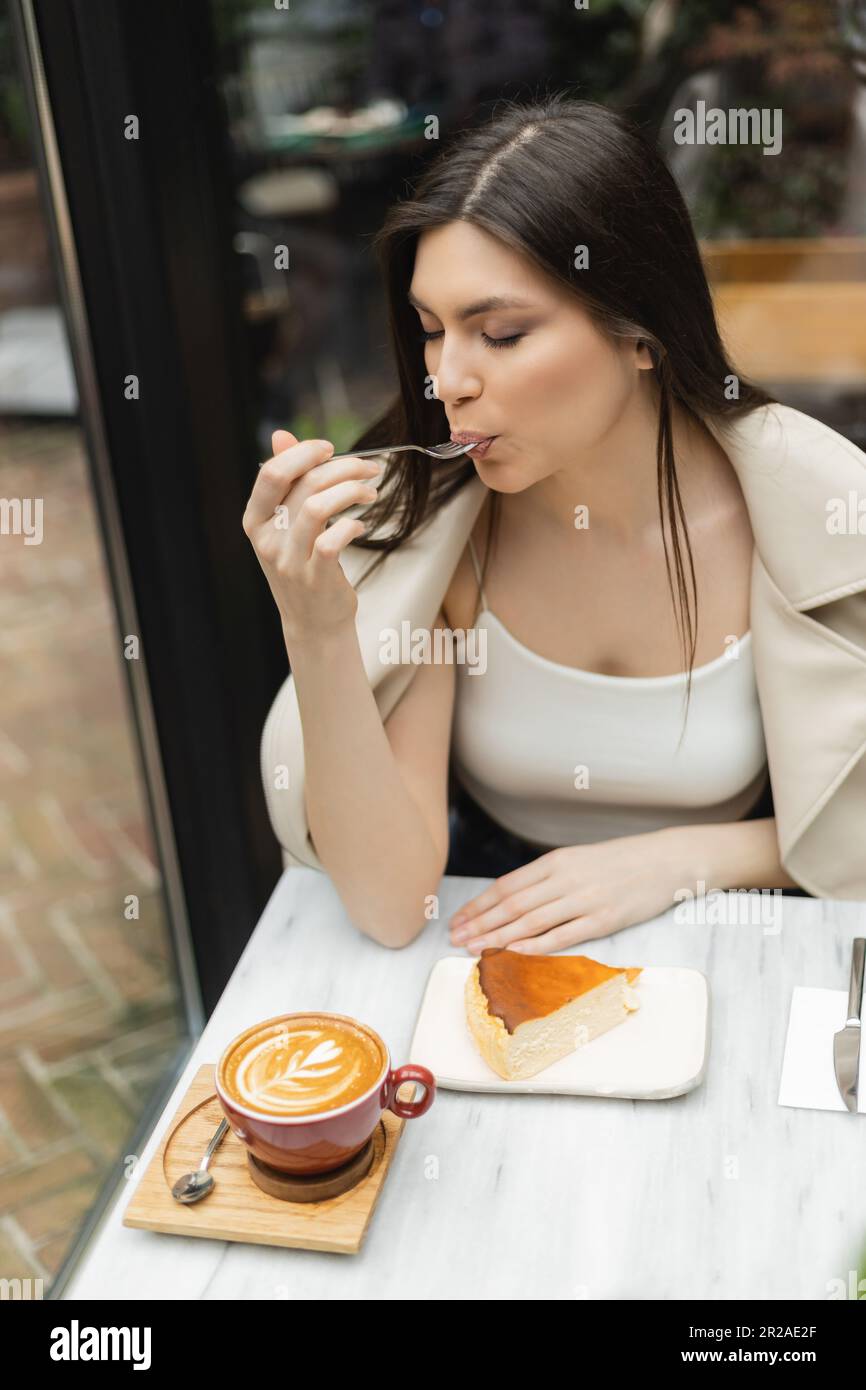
(617, 479)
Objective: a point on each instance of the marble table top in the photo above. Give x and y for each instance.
(717, 1194)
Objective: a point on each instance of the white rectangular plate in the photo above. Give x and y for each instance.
(660, 1050)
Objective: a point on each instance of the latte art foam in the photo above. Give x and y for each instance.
(303, 1068)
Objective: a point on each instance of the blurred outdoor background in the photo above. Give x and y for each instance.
(324, 108)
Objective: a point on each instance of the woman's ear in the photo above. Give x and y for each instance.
(644, 355)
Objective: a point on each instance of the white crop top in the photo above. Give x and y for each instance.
(562, 756)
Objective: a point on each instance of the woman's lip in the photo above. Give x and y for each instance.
(480, 448)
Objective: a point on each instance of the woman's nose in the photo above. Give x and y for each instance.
(453, 398)
(453, 382)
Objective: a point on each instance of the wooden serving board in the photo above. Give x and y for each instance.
(237, 1209)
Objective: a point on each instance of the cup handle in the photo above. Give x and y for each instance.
(410, 1109)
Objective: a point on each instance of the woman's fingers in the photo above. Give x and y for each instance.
(558, 938)
(295, 496)
(278, 474)
(324, 475)
(513, 882)
(282, 439)
(540, 919)
(511, 906)
(300, 483)
(316, 510)
(334, 539)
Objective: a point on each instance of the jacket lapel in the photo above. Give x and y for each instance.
(408, 587)
(790, 467)
(808, 618)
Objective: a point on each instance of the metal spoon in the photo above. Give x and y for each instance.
(193, 1186)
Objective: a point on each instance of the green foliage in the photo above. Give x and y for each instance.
(793, 194)
(341, 429)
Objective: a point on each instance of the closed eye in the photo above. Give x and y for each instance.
(491, 342)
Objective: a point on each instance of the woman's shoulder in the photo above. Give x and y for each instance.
(779, 435)
(797, 473)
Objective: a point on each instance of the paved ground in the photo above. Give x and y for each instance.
(89, 1011)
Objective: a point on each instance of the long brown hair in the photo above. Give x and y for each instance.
(545, 177)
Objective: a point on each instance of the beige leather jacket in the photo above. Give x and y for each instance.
(805, 487)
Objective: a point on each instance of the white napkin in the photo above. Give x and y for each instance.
(808, 1079)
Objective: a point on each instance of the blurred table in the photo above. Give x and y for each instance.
(792, 310)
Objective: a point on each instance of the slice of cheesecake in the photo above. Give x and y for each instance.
(527, 1011)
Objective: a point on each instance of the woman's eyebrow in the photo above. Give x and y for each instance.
(481, 306)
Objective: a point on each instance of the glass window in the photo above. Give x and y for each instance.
(93, 1022)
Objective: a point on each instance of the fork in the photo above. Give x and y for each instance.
(436, 451)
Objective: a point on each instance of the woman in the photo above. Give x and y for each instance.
(546, 292)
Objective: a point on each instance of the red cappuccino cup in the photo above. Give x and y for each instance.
(304, 1092)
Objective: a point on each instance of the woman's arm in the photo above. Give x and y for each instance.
(378, 818)
(376, 795)
(735, 854)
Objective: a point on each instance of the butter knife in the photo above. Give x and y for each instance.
(846, 1043)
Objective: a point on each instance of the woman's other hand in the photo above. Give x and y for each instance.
(574, 894)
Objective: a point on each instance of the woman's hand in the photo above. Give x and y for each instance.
(574, 894)
(286, 517)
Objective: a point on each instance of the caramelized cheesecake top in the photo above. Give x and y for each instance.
(518, 986)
